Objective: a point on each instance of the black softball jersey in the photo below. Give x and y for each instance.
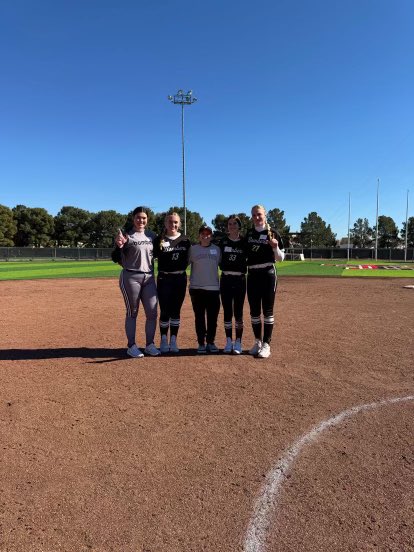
(172, 254)
(259, 251)
(233, 255)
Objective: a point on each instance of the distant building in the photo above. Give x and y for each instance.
(343, 243)
(295, 240)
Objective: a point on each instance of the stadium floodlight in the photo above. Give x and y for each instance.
(183, 99)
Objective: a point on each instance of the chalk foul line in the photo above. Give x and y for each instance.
(265, 504)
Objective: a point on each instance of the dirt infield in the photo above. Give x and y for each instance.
(102, 453)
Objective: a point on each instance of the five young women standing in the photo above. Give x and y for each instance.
(256, 252)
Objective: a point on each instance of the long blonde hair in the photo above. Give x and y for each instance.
(270, 234)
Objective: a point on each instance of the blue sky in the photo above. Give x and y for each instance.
(299, 104)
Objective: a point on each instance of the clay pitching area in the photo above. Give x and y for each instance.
(310, 450)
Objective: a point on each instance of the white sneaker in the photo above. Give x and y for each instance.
(237, 347)
(256, 347)
(264, 351)
(228, 347)
(151, 350)
(135, 352)
(164, 347)
(173, 345)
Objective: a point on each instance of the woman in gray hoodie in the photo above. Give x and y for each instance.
(205, 289)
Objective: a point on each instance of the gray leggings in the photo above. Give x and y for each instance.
(138, 287)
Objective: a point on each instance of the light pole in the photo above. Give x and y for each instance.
(376, 226)
(406, 230)
(182, 98)
(349, 224)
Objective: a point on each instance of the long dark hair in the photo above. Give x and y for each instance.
(237, 219)
(129, 223)
(140, 209)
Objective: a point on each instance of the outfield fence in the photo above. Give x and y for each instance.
(354, 254)
(51, 253)
(98, 254)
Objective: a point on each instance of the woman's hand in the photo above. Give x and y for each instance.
(120, 239)
(274, 243)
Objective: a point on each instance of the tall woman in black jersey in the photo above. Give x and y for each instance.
(264, 247)
(233, 283)
(171, 248)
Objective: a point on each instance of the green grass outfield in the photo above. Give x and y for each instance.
(107, 269)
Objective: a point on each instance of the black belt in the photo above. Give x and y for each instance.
(137, 271)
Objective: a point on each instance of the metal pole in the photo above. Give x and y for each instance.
(376, 230)
(349, 222)
(406, 229)
(182, 98)
(183, 152)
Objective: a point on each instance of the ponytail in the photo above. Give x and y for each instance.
(270, 234)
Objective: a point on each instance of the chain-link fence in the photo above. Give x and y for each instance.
(90, 253)
(355, 253)
(50, 253)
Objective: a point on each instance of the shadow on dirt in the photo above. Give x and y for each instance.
(66, 352)
(108, 354)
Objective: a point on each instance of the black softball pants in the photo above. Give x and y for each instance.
(233, 293)
(206, 307)
(171, 293)
(261, 293)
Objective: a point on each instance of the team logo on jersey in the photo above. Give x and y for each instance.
(232, 250)
(260, 241)
(149, 242)
(176, 248)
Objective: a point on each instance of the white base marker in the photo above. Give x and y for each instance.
(265, 505)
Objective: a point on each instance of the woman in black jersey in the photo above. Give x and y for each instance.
(233, 283)
(264, 247)
(171, 248)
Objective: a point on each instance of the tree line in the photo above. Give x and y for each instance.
(24, 226)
